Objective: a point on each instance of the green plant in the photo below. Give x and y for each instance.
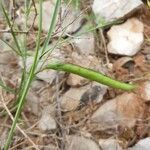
(91, 75)
(28, 77)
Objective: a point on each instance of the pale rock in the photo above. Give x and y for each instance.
(122, 110)
(6, 54)
(49, 75)
(6, 5)
(76, 97)
(143, 144)
(3, 46)
(71, 99)
(46, 75)
(85, 44)
(76, 81)
(37, 85)
(70, 18)
(95, 92)
(111, 10)
(46, 15)
(48, 8)
(54, 56)
(8, 62)
(147, 91)
(109, 144)
(144, 90)
(80, 143)
(127, 38)
(47, 121)
(119, 63)
(33, 102)
(3, 138)
(49, 147)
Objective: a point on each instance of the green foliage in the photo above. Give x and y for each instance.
(27, 77)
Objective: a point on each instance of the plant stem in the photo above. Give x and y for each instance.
(18, 51)
(27, 83)
(91, 75)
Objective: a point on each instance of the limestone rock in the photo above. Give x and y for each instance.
(85, 43)
(109, 144)
(111, 10)
(47, 121)
(143, 144)
(80, 143)
(33, 102)
(46, 75)
(127, 38)
(144, 90)
(122, 110)
(76, 97)
(70, 18)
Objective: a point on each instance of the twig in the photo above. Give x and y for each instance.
(35, 10)
(59, 114)
(9, 31)
(104, 45)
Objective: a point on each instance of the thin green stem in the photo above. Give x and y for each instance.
(7, 88)
(27, 83)
(18, 51)
(52, 25)
(91, 75)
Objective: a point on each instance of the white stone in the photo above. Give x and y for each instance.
(85, 43)
(143, 144)
(70, 18)
(71, 99)
(48, 147)
(75, 81)
(122, 110)
(46, 75)
(80, 143)
(46, 15)
(33, 102)
(3, 138)
(109, 144)
(6, 4)
(127, 38)
(111, 10)
(47, 122)
(145, 91)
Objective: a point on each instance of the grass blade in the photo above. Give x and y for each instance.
(11, 29)
(6, 88)
(26, 83)
(30, 77)
(52, 26)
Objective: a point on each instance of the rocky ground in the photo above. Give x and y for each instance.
(66, 111)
